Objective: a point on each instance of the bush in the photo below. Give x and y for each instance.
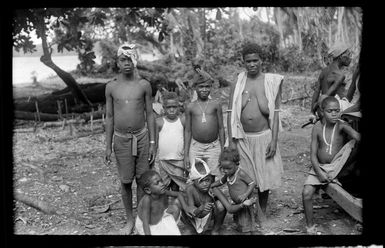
(293, 60)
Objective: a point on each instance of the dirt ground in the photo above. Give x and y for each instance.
(67, 172)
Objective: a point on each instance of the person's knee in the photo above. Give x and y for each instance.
(307, 192)
(219, 207)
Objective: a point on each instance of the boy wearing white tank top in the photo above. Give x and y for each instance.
(169, 135)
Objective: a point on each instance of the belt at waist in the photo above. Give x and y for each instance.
(132, 135)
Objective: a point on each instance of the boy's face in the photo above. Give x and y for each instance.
(228, 167)
(171, 108)
(252, 63)
(331, 112)
(125, 64)
(157, 186)
(204, 184)
(203, 90)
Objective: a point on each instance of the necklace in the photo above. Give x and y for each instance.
(329, 146)
(203, 111)
(232, 181)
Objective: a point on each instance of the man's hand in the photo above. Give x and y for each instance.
(271, 149)
(107, 158)
(242, 197)
(186, 161)
(323, 178)
(151, 153)
(208, 206)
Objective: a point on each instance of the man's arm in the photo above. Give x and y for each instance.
(230, 107)
(271, 149)
(219, 182)
(109, 122)
(314, 100)
(337, 83)
(187, 138)
(150, 120)
(313, 155)
(352, 87)
(146, 212)
(221, 130)
(351, 132)
(189, 210)
(158, 127)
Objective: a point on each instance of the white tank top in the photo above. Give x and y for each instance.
(171, 140)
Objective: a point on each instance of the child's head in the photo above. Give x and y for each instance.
(201, 176)
(251, 56)
(229, 161)
(152, 183)
(202, 84)
(127, 58)
(330, 108)
(171, 104)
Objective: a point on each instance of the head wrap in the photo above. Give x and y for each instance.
(129, 51)
(201, 77)
(337, 50)
(194, 173)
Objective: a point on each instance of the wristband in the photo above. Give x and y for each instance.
(152, 142)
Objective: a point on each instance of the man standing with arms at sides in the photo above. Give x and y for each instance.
(128, 109)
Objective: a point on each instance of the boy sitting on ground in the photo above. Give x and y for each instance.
(156, 215)
(199, 196)
(329, 152)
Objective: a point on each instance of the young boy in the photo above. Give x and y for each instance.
(156, 214)
(199, 196)
(329, 152)
(128, 108)
(204, 126)
(253, 122)
(169, 136)
(240, 187)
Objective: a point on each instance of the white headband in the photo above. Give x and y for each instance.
(129, 51)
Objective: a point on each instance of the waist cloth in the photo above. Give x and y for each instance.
(132, 135)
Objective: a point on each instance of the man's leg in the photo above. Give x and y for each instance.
(307, 199)
(127, 202)
(263, 197)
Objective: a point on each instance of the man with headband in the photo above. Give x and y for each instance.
(331, 81)
(130, 127)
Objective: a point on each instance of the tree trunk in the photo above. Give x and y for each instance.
(47, 60)
(278, 18)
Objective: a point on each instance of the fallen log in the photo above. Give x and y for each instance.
(37, 204)
(22, 115)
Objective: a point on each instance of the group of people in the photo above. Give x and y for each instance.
(184, 166)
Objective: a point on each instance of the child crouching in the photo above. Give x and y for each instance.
(156, 216)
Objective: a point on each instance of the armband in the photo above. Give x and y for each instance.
(251, 183)
(277, 110)
(228, 110)
(152, 142)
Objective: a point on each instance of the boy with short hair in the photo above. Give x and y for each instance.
(156, 215)
(208, 209)
(204, 132)
(128, 109)
(329, 151)
(169, 136)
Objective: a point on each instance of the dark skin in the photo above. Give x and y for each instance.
(318, 154)
(255, 111)
(128, 107)
(171, 108)
(203, 132)
(156, 201)
(199, 199)
(331, 81)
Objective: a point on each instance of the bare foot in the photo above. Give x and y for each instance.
(127, 230)
(311, 230)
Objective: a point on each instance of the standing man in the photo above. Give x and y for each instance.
(128, 109)
(331, 81)
(254, 123)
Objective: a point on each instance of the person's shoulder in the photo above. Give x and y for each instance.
(159, 121)
(112, 82)
(317, 127)
(190, 189)
(144, 82)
